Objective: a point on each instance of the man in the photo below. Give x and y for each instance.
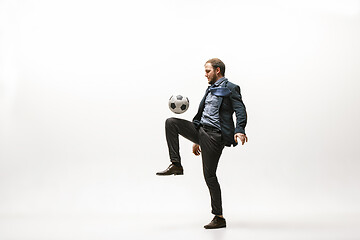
(211, 129)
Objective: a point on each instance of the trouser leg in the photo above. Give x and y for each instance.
(211, 149)
(175, 127)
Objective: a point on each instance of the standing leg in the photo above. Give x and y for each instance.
(211, 148)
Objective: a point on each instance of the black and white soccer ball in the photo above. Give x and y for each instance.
(178, 104)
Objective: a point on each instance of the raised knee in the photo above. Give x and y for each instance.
(169, 121)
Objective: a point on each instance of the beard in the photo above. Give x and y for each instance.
(212, 80)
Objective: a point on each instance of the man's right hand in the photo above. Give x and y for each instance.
(196, 149)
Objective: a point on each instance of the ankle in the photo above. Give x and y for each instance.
(176, 164)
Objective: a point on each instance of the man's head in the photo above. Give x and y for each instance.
(214, 70)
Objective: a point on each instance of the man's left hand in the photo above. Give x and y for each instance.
(243, 138)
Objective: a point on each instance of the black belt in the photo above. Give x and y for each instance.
(208, 128)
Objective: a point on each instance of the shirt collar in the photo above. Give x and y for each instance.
(220, 81)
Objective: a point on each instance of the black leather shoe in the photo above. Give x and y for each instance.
(217, 222)
(172, 169)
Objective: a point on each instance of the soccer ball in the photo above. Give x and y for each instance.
(178, 104)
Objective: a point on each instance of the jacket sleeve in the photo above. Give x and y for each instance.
(239, 108)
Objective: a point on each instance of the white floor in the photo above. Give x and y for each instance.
(164, 226)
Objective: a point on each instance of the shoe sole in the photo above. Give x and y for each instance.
(214, 227)
(170, 174)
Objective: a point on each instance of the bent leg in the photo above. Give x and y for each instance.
(175, 127)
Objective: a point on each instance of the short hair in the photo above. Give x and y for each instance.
(217, 63)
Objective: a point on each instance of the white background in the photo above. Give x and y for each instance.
(84, 87)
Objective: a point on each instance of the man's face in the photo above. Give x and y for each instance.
(210, 73)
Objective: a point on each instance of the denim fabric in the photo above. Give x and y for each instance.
(210, 115)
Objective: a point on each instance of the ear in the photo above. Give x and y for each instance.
(217, 70)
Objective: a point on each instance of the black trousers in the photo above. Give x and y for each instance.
(211, 145)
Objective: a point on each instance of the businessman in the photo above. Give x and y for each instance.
(211, 129)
